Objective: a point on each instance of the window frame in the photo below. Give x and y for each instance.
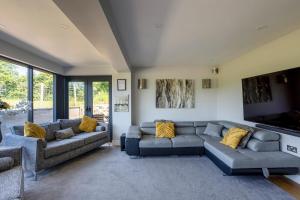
(30, 69)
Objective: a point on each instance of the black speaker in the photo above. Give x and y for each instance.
(122, 141)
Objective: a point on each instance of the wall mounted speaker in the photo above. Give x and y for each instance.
(142, 84)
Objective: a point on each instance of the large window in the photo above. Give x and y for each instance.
(42, 96)
(14, 91)
(22, 84)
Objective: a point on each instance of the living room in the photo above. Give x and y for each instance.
(111, 64)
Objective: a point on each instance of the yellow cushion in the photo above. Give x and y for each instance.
(34, 130)
(165, 130)
(88, 124)
(233, 137)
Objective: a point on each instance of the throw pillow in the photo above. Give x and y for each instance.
(165, 130)
(213, 130)
(88, 124)
(64, 133)
(34, 130)
(233, 137)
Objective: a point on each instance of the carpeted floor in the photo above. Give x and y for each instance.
(109, 174)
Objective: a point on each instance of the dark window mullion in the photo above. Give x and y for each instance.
(30, 93)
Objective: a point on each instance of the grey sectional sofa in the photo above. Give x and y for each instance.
(11, 173)
(39, 155)
(261, 155)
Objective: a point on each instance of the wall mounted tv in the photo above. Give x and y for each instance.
(273, 99)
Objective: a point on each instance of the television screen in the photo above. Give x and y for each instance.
(273, 99)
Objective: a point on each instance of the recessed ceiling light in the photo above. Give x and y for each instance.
(262, 27)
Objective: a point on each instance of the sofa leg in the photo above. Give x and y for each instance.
(35, 176)
(266, 172)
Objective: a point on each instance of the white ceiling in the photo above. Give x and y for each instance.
(41, 27)
(199, 32)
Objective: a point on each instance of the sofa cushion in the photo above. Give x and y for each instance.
(210, 138)
(246, 158)
(57, 147)
(200, 130)
(70, 123)
(187, 141)
(266, 135)
(34, 130)
(6, 163)
(91, 137)
(276, 159)
(260, 146)
(148, 131)
(185, 131)
(64, 134)
(51, 128)
(213, 129)
(184, 124)
(224, 131)
(147, 125)
(150, 141)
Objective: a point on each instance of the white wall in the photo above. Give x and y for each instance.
(280, 54)
(121, 120)
(21, 55)
(144, 108)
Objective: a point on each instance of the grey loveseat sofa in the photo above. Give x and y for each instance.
(11, 173)
(39, 155)
(261, 155)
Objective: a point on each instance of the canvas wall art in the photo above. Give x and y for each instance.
(175, 93)
(122, 103)
(257, 90)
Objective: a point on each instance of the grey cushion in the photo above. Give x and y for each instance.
(266, 135)
(260, 146)
(18, 130)
(213, 129)
(147, 125)
(134, 132)
(150, 141)
(224, 131)
(185, 131)
(6, 163)
(148, 131)
(91, 137)
(51, 129)
(208, 138)
(187, 141)
(245, 140)
(200, 123)
(70, 123)
(200, 130)
(64, 134)
(61, 146)
(184, 124)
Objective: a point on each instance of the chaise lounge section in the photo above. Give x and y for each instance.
(262, 154)
(39, 154)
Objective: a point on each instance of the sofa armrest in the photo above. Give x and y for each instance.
(134, 132)
(14, 152)
(33, 150)
(102, 124)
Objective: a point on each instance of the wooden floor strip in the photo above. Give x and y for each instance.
(287, 185)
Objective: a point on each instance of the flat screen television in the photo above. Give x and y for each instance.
(273, 99)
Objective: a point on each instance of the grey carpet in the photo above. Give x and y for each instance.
(109, 174)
